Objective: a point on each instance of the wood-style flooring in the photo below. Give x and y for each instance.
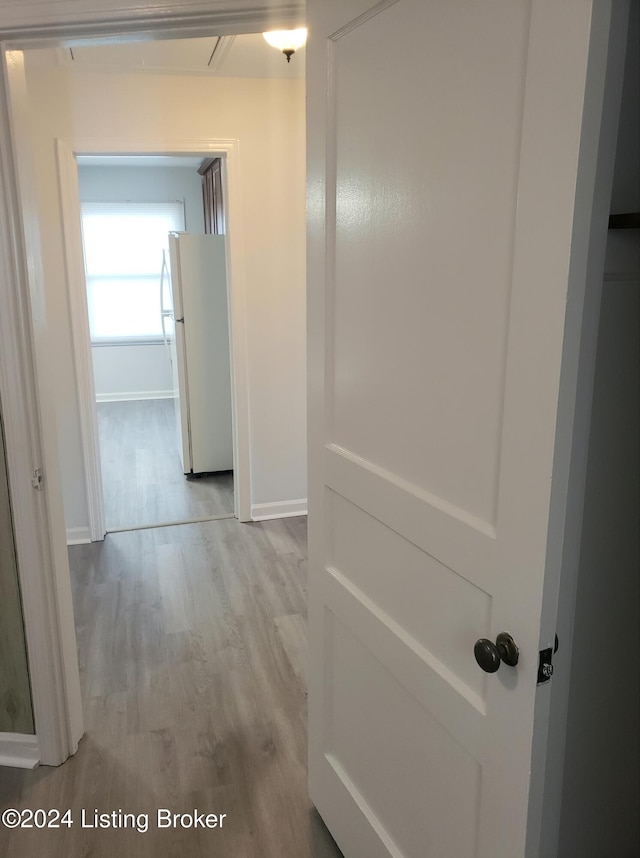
(141, 472)
(192, 649)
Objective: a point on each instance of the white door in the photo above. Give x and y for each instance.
(443, 143)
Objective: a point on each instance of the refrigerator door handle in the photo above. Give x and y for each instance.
(162, 273)
(163, 313)
(164, 330)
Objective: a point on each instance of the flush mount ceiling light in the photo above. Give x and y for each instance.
(287, 41)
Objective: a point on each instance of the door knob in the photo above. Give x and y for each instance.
(489, 655)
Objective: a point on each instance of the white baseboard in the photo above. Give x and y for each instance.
(282, 509)
(135, 394)
(19, 750)
(78, 535)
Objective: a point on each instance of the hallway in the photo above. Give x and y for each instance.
(192, 649)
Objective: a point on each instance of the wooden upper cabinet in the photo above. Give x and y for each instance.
(211, 173)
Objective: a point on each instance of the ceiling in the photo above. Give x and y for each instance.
(222, 56)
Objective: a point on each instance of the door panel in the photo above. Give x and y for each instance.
(458, 316)
(408, 743)
(444, 607)
(443, 143)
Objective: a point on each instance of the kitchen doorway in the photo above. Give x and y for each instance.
(164, 417)
(228, 487)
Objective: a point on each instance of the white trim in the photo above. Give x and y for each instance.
(78, 536)
(280, 509)
(67, 149)
(109, 343)
(135, 394)
(81, 339)
(236, 301)
(19, 750)
(31, 442)
(62, 20)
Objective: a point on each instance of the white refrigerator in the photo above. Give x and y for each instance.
(195, 322)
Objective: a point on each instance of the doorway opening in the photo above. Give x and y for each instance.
(162, 381)
(237, 491)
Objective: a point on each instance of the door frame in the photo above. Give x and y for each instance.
(28, 412)
(228, 150)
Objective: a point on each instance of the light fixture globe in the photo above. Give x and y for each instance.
(287, 41)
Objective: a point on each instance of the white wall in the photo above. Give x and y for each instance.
(267, 117)
(140, 371)
(144, 370)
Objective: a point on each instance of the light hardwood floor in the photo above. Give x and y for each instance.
(192, 648)
(141, 471)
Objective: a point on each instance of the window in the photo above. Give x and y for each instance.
(123, 244)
